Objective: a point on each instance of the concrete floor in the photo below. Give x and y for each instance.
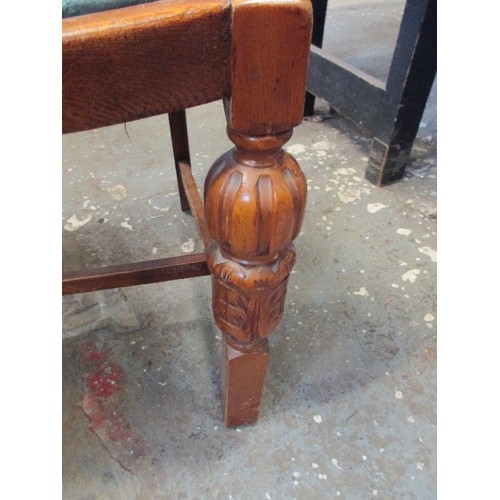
(349, 409)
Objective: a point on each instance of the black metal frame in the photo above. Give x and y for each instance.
(390, 112)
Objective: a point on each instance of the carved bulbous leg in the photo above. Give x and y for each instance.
(254, 202)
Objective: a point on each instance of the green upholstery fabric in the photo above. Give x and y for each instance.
(72, 8)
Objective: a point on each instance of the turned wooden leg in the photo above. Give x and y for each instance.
(255, 194)
(254, 201)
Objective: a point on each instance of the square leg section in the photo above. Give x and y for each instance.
(243, 375)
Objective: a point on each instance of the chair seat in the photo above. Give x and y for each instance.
(72, 8)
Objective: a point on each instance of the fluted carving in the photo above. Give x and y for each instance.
(255, 198)
(254, 201)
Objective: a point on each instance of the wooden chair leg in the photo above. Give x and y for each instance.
(255, 194)
(254, 200)
(180, 146)
(242, 381)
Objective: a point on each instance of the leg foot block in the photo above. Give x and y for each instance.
(244, 372)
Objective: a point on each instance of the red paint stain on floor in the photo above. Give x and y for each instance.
(103, 402)
(106, 381)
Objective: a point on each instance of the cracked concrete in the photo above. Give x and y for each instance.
(101, 309)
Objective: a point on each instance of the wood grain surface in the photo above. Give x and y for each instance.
(270, 52)
(140, 61)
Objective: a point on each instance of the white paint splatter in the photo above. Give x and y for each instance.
(117, 192)
(322, 476)
(154, 251)
(296, 474)
(188, 246)
(403, 231)
(398, 394)
(321, 145)
(166, 209)
(296, 149)
(411, 420)
(329, 188)
(394, 285)
(315, 466)
(75, 223)
(335, 462)
(350, 195)
(364, 458)
(429, 252)
(428, 317)
(420, 465)
(318, 419)
(375, 207)
(86, 204)
(362, 291)
(411, 275)
(126, 225)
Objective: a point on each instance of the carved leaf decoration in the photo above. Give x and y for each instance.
(275, 307)
(232, 311)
